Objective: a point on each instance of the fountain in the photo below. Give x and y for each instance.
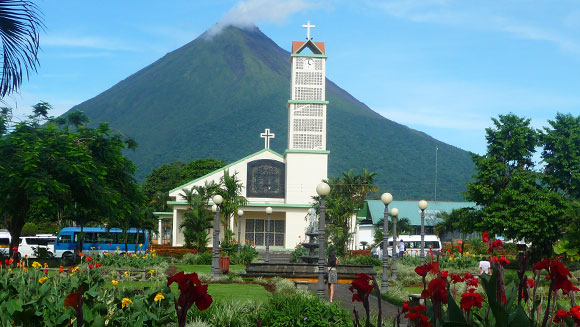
(312, 245)
(307, 270)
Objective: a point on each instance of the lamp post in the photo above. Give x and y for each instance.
(422, 206)
(323, 190)
(395, 252)
(269, 213)
(386, 198)
(215, 252)
(240, 214)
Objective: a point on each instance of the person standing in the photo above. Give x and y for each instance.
(332, 263)
(401, 248)
(484, 266)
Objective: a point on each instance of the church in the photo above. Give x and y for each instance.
(284, 182)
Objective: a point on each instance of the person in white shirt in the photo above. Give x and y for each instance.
(484, 267)
(401, 248)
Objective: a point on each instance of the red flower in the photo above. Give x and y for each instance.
(470, 299)
(192, 291)
(97, 264)
(0, 264)
(560, 316)
(456, 278)
(425, 294)
(362, 285)
(437, 289)
(485, 237)
(444, 273)
(414, 314)
(90, 266)
(89, 259)
(61, 269)
(467, 276)
(575, 313)
(424, 269)
(565, 285)
(497, 244)
(544, 264)
(15, 249)
(530, 283)
(503, 261)
(473, 282)
(46, 271)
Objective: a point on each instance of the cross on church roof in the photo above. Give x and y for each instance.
(267, 136)
(308, 26)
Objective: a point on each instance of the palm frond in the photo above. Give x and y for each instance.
(20, 25)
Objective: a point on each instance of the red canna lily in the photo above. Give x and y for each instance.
(424, 269)
(470, 299)
(456, 278)
(575, 314)
(560, 316)
(485, 237)
(437, 290)
(530, 283)
(191, 291)
(72, 300)
(363, 287)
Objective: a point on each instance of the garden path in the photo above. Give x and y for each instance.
(344, 296)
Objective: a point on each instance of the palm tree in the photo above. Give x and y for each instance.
(198, 219)
(20, 24)
(231, 189)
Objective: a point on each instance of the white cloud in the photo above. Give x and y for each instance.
(247, 13)
(483, 17)
(85, 42)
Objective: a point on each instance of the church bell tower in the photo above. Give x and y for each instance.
(306, 156)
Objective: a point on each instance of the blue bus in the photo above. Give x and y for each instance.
(99, 239)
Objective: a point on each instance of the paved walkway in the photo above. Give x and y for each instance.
(344, 296)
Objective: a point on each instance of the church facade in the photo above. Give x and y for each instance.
(285, 182)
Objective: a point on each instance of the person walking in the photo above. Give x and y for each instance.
(332, 263)
(401, 248)
(484, 266)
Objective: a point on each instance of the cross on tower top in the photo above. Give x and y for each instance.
(267, 136)
(308, 26)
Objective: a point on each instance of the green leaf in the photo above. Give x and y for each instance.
(454, 314)
(519, 318)
(13, 306)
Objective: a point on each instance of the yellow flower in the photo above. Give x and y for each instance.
(126, 302)
(134, 256)
(141, 245)
(151, 272)
(154, 255)
(45, 265)
(127, 273)
(25, 269)
(158, 297)
(36, 264)
(115, 283)
(43, 279)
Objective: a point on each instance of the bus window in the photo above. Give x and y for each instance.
(89, 237)
(64, 239)
(105, 237)
(4, 241)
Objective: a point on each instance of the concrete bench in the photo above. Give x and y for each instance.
(414, 298)
(301, 285)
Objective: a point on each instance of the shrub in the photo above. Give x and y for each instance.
(247, 254)
(299, 251)
(29, 229)
(361, 260)
(303, 309)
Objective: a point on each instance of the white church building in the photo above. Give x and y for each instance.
(285, 182)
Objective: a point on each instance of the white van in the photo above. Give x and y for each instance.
(4, 241)
(412, 245)
(31, 245)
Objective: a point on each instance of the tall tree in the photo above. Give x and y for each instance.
(561, 154)
(197, 220)
(347, 195)
(231, 191)
(81, 172)
(513, 200)
(20, 25)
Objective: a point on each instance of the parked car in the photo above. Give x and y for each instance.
(412, 245)
(37, 246)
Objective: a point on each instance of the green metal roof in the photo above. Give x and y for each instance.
(375, 209)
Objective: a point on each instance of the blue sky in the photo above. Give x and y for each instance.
(441, 67)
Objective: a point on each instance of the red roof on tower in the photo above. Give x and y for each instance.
(297, 46)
